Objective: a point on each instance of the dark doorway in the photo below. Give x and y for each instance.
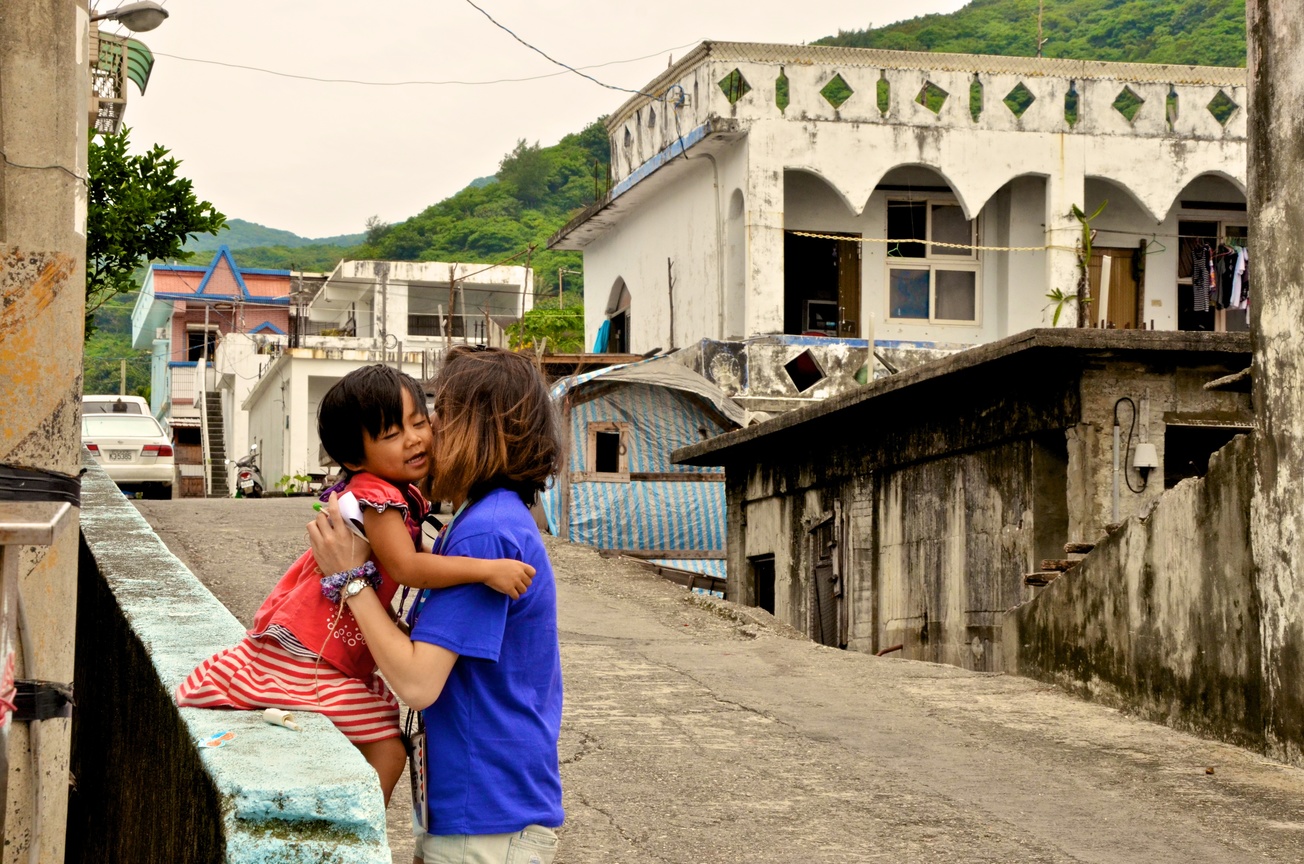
(821, 285)
(618, 335)
(1187, 449)
(763, 582)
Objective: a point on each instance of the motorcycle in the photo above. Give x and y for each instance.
(248, 476)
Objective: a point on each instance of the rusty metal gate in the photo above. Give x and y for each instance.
(826, 589)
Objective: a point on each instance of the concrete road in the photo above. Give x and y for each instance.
(700, 732)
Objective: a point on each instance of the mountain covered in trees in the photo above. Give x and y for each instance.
(1200, 32)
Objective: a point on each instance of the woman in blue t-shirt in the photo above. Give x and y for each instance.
(484, 669)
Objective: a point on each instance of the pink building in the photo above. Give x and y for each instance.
(182, 313)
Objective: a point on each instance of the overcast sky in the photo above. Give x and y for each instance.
(319, 158)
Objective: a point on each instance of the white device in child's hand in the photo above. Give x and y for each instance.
(352, 513)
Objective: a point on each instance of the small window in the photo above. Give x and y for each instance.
(927, 281)
(607, 452)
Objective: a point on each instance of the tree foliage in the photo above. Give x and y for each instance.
(139, 210)
(1202, 32)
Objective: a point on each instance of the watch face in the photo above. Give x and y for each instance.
(354, 588)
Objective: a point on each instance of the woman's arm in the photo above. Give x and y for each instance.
(416, 670)
(394, 550)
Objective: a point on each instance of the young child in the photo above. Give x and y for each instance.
(305, 651)
(484, 668)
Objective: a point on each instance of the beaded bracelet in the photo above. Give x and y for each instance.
(332, 585)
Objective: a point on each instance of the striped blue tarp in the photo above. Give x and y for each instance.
(643, 515)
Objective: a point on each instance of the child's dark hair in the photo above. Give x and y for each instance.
(370, 399)
(496, 425)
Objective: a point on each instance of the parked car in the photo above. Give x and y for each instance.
(97, 404)
(134, 451)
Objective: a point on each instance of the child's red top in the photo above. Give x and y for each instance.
(296, 603)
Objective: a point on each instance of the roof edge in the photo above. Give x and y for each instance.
(1060, 338)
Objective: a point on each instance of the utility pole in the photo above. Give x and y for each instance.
(122, 383)
(561, 298)
(1041, 11)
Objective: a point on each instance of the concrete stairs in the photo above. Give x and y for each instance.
(216, 445)
(1052, 568)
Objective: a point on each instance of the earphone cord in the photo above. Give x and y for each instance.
(330, 631)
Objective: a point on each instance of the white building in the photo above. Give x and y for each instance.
(748, 149)
(392, 312)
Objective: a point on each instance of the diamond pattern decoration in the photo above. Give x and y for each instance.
(932, 97)
(1071, 105)
(1128, 103)
(837, 91)
(1222, 108)
(781, 91)
(735, 86)
(1019, 99)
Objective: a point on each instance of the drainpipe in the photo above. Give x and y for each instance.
(719, 248)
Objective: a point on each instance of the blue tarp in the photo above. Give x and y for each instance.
(664, 406)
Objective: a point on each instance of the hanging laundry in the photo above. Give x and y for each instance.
(1238, 294)
(1225, 261)
(1200, 278)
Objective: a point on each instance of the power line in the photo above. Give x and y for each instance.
(415, 82)
(553, 60)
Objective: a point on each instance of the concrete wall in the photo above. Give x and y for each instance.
(44, 93)
(1277, 212)
(146, 791)
(1162, 618)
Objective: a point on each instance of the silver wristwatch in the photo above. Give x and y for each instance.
(354, 587)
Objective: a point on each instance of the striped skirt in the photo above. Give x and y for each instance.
(261, 673)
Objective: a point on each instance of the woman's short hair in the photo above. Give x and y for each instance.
(495, 425)
(369, 399)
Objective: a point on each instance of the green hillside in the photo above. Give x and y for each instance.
(1201, 32)
(239, 234)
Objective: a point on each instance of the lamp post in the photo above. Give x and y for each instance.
(138, 17)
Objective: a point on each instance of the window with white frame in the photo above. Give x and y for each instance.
(927, 281)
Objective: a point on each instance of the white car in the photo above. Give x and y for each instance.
(97, 404)
(133, 450)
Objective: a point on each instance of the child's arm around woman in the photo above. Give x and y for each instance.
(398, 556)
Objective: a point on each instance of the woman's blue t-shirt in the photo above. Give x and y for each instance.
(491, 736)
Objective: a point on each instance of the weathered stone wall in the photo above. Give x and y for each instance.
(1276, 198)
(145, 789)
(954, 538)
(1162, 616)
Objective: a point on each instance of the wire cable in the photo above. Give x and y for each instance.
(553, 60)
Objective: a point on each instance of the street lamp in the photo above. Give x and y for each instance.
(139, 17)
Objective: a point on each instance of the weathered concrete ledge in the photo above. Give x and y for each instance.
(1162, 618)
(146, 790)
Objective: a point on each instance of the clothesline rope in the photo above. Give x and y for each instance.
(930, 243)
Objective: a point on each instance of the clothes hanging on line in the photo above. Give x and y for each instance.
(1240, 293)
(1201, 277)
